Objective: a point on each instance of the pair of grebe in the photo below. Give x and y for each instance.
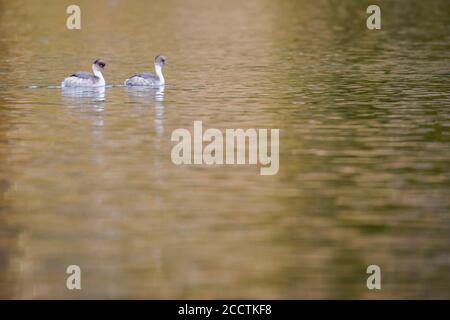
(95, 79)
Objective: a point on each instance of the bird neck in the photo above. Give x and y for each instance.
(98, 73)
(158, 71)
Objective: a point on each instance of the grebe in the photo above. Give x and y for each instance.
(87, 79)
(149, 79)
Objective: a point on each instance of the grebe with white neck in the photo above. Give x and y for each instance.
(87, 79)
(149, 79)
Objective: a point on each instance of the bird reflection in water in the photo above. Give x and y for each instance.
(91, 94)
(141, 96)
(77, 99)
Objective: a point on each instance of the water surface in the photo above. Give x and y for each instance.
(87, 179)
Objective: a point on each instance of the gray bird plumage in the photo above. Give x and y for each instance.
(147, 75)
(84, 75)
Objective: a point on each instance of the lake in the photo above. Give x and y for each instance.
(86, 178)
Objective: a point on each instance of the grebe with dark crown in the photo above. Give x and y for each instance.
(87, 79)
(149, 79)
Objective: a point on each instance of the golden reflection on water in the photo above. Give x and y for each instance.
(86, 177)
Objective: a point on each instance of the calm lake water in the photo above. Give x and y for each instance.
(364, 119)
